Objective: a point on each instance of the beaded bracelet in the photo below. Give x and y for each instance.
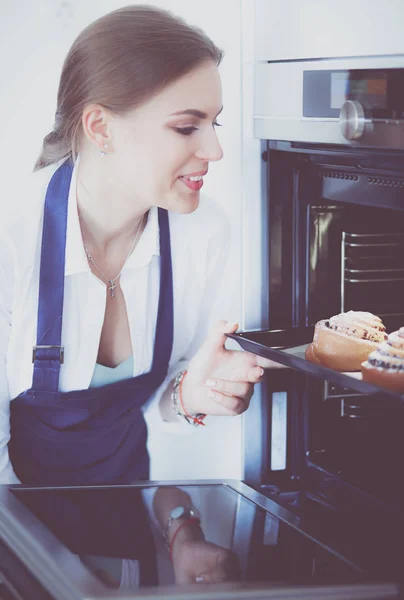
(177, 395)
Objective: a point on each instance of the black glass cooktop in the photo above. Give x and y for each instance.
(113, 534)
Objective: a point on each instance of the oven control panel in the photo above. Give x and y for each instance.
(355, 101)
(354, 97)
(379, 92)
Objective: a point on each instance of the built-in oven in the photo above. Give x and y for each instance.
(332, 446)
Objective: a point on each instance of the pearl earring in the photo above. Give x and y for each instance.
(103, 151)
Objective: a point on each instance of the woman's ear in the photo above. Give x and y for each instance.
(95, 123)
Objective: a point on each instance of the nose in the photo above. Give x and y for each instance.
(209, 148)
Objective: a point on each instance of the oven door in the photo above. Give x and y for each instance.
(102, 542)
(333, 451)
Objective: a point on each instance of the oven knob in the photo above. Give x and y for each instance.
(352, 120)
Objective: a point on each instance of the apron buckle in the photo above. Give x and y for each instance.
(52, 357)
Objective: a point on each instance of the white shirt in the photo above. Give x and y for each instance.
(198, 249)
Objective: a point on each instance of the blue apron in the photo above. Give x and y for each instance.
(91, 436)
(98, 521)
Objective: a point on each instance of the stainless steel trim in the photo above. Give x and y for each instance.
(352, 120)
(373, 235)
(297, 129)
(374, 270)
(244, 521)
(384, 245)
(279, 431)
(278, 110)
(343, 243)
(31, 552)
(373, 280)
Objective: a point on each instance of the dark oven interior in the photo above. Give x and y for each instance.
(336, 243)
(336, 235)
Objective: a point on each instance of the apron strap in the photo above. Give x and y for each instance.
(163, 340)
(48, 353)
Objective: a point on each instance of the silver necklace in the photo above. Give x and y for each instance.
(111, 280)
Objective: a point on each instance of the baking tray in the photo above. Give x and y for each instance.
(287, 347)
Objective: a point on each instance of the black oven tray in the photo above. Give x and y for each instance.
(287, 347)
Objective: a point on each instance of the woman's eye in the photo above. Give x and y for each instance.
(185, 130)
(191, 128)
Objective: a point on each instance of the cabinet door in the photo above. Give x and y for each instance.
(291, 29)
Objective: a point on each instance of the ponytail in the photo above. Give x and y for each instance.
(54, 149)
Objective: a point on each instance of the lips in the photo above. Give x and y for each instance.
(193, 181)
(195, 186)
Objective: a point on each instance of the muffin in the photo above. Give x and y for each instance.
(385, 365)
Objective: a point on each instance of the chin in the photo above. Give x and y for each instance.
(183, 205)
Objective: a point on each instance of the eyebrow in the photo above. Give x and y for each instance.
(194, 112)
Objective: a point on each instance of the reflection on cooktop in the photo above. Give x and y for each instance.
(116, 533)
(366, 533)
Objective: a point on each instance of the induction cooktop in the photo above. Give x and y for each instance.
(105, 542)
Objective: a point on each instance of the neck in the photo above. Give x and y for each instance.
(108, 219)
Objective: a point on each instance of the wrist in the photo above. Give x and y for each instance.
(185, 530)
(192, 417)
(186, 395)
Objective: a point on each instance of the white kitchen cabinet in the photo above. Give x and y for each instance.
(296, 29)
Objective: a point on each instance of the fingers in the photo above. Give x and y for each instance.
(233, 401)
(230, 397)
(225, 568)
(225, 326)
(234, 365)
(242, 389)
(229, 405)
(255, 374)
(266, 363)
(254, 360)
(217, 335)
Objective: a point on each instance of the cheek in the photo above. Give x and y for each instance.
(154, 164)
(164, 167)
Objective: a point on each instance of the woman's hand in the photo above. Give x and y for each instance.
(199, 561)
(220, 381)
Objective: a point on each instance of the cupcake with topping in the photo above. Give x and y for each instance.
(385, 365)
(344, 341)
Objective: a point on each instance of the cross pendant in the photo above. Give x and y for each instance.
(111, 288)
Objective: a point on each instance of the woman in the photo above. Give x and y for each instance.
(108, 274)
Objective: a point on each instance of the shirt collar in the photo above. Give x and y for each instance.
(76, 259)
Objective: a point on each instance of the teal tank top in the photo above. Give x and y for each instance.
(103, 375)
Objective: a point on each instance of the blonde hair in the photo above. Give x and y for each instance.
(120, 61)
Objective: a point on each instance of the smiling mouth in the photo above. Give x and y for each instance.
(193, 182)
(192, 177)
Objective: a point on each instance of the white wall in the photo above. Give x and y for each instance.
(35, 37)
